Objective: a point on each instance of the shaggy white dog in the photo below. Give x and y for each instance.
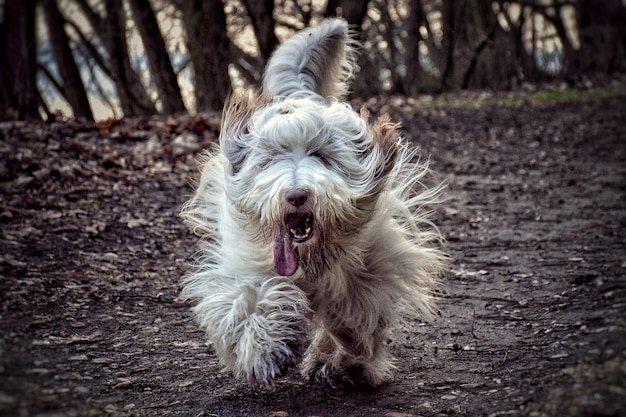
(313, 225)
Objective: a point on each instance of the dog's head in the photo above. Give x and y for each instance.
(306, 170)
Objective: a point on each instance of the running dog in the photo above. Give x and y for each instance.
(314, 225)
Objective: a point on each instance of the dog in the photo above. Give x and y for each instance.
(314, 225)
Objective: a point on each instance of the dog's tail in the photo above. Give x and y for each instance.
(319, 60)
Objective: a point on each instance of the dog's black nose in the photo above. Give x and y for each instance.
(296, 197)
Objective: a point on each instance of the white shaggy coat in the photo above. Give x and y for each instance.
(313, 224)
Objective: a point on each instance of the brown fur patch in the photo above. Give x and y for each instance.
(238, 110)
(386, 136)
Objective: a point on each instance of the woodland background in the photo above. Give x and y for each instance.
(100, 59)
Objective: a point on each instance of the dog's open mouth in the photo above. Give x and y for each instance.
(298, 229)
(300, 226)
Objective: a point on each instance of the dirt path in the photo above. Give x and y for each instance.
(533, 315)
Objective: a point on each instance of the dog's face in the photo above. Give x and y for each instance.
(305, 171)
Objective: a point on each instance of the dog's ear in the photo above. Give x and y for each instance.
(318, 60)
(386, 141)
(234, 135)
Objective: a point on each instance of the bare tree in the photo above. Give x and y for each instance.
(208, 44)
(19, 98)
(72, 88)
(476, 51)
(158, 58)
(111, 29)
(261, 16)
(414, 75)
(479, 44)
(409, 46)
(602, 33)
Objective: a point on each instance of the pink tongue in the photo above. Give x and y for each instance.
(285, 261)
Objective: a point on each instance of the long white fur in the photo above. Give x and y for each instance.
(373, 252)
(318, 60)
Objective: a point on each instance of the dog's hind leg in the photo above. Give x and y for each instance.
(257, 327)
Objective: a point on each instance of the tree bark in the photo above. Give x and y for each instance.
(452, 15)
(471, 68)
(73, 88)
(205, 22)
(260, 12)
(158, 58)
(602, 34)
(132, 93)
(480, 53)
(111, 30)
(414, 72)
(19, 98)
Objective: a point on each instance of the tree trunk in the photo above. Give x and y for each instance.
(483, 54)
(602, 35)
(158, 58)
(260, 12)
(414, 72)
(133, 96)
(19, 98)
(73, 88)
(471, 68)
(452, 16)
(111, 30)
(205, 22)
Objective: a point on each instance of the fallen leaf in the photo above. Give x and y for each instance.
(278, 414)
(123, 383)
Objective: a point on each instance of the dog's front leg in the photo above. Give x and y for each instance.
(257, 327)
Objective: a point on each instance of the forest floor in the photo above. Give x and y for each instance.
(532, 313)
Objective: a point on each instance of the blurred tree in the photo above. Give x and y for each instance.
(451, 22)
(522, 60)
(552, 12)
(409, 46)
(158, 58)
(262, 18)
(72, 88)
(487, 57)
(414, 74)
(111, 30)
(602, 33)
(19, 97)
(208, 44)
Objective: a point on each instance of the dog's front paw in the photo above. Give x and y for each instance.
(261, 365)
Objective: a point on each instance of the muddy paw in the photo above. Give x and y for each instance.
(344, 377)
